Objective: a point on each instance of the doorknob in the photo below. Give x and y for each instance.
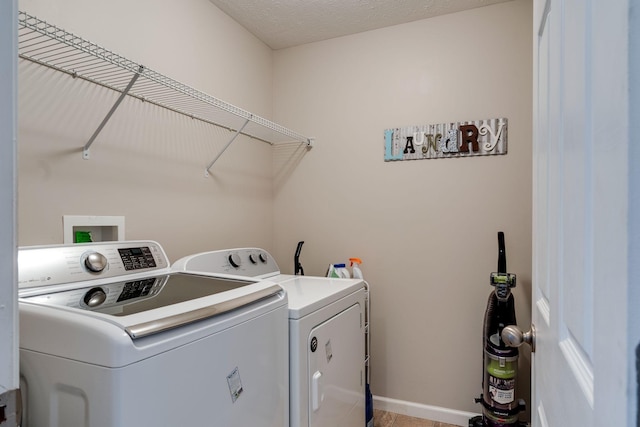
(513, 336)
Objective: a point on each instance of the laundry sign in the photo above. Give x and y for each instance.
(446, 140)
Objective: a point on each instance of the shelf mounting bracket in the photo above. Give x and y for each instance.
(235, 135)
(85, 150)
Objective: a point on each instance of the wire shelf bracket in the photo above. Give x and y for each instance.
(55, 48)
(85, 149)
(233, 138)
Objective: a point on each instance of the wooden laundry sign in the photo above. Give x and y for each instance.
(445, 140)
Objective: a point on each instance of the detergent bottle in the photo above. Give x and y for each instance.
(332, 271)
(342, 271)
(338, 271)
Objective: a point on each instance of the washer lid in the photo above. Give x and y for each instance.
(127, 297)
(310, 293)
(148, 305)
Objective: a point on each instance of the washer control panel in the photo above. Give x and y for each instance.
(248, 262)
(137, 258)
(54, 265)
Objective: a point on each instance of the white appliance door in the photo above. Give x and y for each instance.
(236, 377)
(579, 219)
(336, 371)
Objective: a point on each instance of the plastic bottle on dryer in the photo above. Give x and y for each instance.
(333, 272)
(342, 271)
(355, 268)
(338, 271)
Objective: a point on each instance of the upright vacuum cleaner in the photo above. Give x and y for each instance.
(500, 368)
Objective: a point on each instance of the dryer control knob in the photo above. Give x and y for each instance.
(234, 260)
(95, 262)
(94, 297)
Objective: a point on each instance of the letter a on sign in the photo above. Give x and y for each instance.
(409, 147)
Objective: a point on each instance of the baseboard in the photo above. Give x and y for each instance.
(427, 412)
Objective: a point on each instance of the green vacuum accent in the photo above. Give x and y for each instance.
(503, 279)
(505, 370)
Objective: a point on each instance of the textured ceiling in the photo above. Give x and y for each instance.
(286, 23)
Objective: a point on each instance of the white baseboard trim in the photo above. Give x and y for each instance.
(427, 412)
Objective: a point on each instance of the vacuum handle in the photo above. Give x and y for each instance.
(502, 256)
(297, 267)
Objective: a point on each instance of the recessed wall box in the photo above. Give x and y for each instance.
(82, 228)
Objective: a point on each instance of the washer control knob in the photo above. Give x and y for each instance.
(94, 297)
(234, 260)
(253, 259)
(95, 262)
(263, 257)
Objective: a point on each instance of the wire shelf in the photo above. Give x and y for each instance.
(53, 47)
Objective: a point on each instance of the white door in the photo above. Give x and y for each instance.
(8, 282)
(580, 282)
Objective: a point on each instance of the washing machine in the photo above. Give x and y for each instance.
(111, 337)
(326, 335)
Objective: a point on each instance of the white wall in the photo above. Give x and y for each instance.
(147, 164)
(427, 229)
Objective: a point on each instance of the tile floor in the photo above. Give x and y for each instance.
(390, 419)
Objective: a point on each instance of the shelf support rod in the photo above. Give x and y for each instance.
(85, 150)
(238, 132)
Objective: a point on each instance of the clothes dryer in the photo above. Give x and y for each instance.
(326, 335)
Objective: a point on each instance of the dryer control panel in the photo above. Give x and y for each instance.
(61, 264)
(247, 262)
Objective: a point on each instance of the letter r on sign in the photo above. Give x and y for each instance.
(469, 135)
